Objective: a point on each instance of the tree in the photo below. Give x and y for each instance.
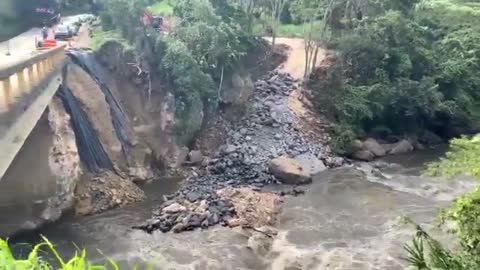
(126, 15)
(276, 9)
(249, 7)
(314, 31)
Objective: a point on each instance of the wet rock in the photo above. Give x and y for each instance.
(229, 148)
(373, 146)
(388, 147)
(402, 147)
(178, 228)
(193, 196)
(310, 164)
(196, 157)
(289, 171)
(363, 155)
(292, 192)
(174, 208)
(418, 146)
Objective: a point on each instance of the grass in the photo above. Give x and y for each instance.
(34, 261)
(284, 30)
(162, 8)
(100, 37)
(290, 30)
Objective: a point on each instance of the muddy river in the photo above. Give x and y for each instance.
(349, 218)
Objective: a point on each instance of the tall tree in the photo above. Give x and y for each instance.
(276, 8)
(249, 7)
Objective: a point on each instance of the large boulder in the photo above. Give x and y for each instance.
(402, 147)
(196, 157)
(311, 164)
(289, 171)
(363, 155)
(357, 145)
(373, 146)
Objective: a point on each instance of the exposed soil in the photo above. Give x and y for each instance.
(101, 192)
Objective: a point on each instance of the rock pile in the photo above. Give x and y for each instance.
(105, 191)
(370, 149)
(267, 131)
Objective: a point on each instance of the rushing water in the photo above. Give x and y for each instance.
(348, 219)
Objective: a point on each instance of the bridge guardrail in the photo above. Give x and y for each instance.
(21, 77)
(26, 88)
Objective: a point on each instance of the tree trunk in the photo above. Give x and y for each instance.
(274, 37)
(315, 58)
(220, 86)
(274, 25)
(305, 74)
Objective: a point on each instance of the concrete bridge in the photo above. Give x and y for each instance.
(28, 82)
(27, 86)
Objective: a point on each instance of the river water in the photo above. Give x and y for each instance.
(349, 218)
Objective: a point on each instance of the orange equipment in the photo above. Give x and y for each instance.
(46, 44)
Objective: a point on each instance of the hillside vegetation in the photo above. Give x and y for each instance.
(403, 67)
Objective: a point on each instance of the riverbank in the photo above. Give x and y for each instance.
(347, 218)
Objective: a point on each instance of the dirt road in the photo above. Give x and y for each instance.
(23, 45)
(295, 64)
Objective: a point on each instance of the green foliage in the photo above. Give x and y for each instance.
(100, 37)
(192, 87)
(465, 213)
(426, 253)
(463, 158)
(35, 262)
(163, 8)
(126, 16)
(407, 70)
(449, 14)
(284, 30)
(184, 73)
(389, 76)
(343, 138)
(213, 42)
(209, 40)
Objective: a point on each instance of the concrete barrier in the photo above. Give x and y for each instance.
(27, 86)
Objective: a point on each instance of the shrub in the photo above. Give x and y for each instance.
(463, 158)
(426, 253)
(343, 138)
(35, 262)
(406, 76)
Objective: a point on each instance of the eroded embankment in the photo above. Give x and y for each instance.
(268, 130)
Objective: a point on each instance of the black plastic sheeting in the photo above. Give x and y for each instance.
(90, 149)
(120, 120)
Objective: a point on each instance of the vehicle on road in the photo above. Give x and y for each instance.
(45, 12)
(74, 28)
(86, 18)
(63, 32)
